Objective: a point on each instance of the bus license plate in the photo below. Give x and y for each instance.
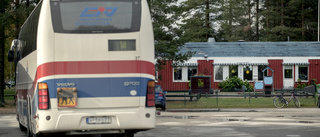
(99, 120)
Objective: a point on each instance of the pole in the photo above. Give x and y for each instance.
(318, 18)
(184, 99)
(3, 5)
(249, 97)
(217, 99)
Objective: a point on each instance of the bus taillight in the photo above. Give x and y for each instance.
(43, 96)
(150, 102)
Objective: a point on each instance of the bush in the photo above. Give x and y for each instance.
(234, 82)
(302, 85)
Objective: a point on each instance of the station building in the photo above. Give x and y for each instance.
(292, 62)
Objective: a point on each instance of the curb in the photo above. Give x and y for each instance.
(211, 110)
(4, 110)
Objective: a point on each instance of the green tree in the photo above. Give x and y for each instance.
(12, 17)
(3, 7)
(289, 19)
(236, 20)
(198, 17)
(164, 14)
(16, 17)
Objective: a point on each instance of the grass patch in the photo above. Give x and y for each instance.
(9, 100)
(235, 103)
(9, 92)
(1, 105)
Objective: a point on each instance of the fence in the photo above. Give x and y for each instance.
(234, 99)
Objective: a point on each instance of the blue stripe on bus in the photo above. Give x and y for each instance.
(100, 87)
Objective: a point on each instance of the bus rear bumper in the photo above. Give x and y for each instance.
(76, 122)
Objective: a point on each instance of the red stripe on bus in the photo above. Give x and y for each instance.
(94, 67)
(88, 67)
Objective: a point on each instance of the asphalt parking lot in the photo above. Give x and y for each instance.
(288, 122)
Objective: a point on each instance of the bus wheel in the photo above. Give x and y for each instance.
(164, 107)
(29, 126)
(128, 135)
(318, 102)
(22, 128)
(118, 135)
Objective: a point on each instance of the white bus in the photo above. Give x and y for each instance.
(85, 67)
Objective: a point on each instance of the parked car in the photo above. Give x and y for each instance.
(160, 98)
(9, 84)
(318, 102)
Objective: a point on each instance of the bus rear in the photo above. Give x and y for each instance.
(95, 71)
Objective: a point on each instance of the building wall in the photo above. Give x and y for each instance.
(314, 69)
(165, 79)
(276, 65)
(206, 67)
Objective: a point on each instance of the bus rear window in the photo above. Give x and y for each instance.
(96, 16)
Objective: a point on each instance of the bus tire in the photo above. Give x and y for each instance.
(29, 127)
(318, 103)
(164, 107)
(118, 135)
(22, 128)
(128, 135)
